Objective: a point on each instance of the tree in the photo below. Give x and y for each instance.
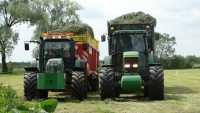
(165, 45)
(57, 13)
(13, 12)
(7, 41)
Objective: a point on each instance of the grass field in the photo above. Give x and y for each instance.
(182, 91)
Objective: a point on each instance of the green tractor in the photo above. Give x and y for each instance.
(131, 66)
(57, 70)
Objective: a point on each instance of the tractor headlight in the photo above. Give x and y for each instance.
(127, 65)
(135, 65)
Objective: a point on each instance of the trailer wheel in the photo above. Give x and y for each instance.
(30, 87)
(107, 87)
(94, 82)
(156, 83)
(79, 85)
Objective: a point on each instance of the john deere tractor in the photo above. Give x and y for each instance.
(131, 66)
(57, 69)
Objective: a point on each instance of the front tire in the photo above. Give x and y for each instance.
(107, 87)
(79, 85)
(30, 87)
(156, 83)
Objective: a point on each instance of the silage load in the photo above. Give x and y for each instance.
(78, 28)
(134, 18)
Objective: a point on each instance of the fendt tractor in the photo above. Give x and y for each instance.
(67, 62)
(131, 66)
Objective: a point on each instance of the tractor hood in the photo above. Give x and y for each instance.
(131, 54)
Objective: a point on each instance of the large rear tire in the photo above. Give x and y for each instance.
(79, 85)
(30, 87)
(156, 83)
(107, 86)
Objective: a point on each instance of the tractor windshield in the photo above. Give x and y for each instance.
(129, 42)
(57, 49)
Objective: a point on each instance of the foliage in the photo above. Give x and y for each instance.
(165, 45)
(134, 18)
(180, 62)
(49, 105)
(56, 14)
(13, 12)
(7, 41)
(11, 103)
(8, 97)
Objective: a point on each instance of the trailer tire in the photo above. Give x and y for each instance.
(156, 83)
(30, 87)
(107, 87)
(79, 85)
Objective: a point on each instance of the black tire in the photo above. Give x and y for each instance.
(107, 86)
(94, 82)
(146, 89)
(117, 89)
(156, 83)
(79, 85)
(30, 87)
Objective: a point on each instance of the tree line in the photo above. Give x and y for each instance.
(165, 53)
(180, 62)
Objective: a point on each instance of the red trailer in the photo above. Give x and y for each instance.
(87, 50)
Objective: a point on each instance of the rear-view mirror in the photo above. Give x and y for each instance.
(26, 46)
(103, 38)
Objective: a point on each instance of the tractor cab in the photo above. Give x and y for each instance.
(59, 54)
(129, 41)
(131, 46)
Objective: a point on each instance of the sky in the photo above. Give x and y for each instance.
(179, 18)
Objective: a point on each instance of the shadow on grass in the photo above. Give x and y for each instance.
(175, 92)
(171, 93)
(63, 97)
(179, 90)
(173, 97)
(131, 98)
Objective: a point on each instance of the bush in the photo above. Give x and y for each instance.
(8, 98)
(10, 103)
(49, 105)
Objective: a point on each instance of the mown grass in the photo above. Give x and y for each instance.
(182, 91)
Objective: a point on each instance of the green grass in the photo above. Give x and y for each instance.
(182, 91)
